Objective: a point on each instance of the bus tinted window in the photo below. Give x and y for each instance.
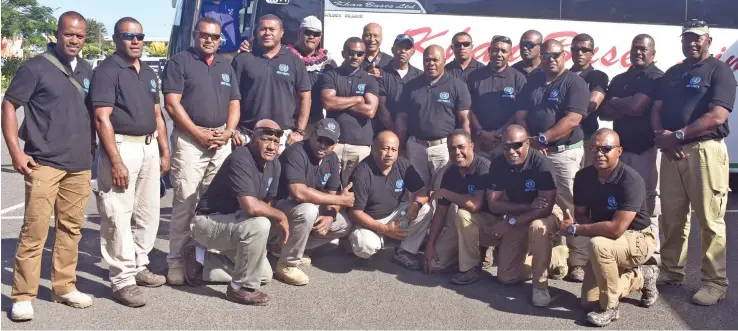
(501, 8)
(718, 13)
(625, 11)
(291, 15)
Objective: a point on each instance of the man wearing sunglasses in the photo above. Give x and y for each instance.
(350, 98)
(375, 59)
(202, 98)
(235, 216)
(463, 63)
(125, 95)
(394, 77)
(551, 108)
(271, 81)
(690, 122)
(530, 53)
(310, 197)
(521, 195)
(611, 214)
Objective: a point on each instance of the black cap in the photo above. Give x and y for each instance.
(328, 128)
(406, 38)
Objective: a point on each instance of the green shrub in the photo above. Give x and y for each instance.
(11, 66)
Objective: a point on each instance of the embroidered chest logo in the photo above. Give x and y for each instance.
(471, 188)
(554, 96)
(226, 80)
(444, 97)
(86, 84)
(360, 89)
(325, 178)
(694, 82)
(612, 203)
(269, 183)
(153, 85)
(508, 92)
(399, 185)
(530, 185)
(283, 70)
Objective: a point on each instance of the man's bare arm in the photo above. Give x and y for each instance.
(332, 102)
(303, 114)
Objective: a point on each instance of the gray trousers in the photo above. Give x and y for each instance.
(567, 163)
(242, 244)
(302, 217)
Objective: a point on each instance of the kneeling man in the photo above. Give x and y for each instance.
(382, 183)
(611, 209)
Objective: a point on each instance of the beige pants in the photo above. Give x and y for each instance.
(609, 274)
(429, 162)
(350, 156)
(647, 164)
(129, 219)
(567, 163)
(64, 194)
(365, 242)
(699, 182)
(193, 168)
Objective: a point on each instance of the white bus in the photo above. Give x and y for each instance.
(612, 24)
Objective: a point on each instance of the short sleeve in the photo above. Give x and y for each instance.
(172, 79)
(634, 193)
(447, 183)
(334, 183)
(360, 188)
(302, 79)
(724, 85)
(547, 179)
(598, 81)
(413, 181)
(372, 86)
(102, 89)
(463, 98)
(235, 91)
(22, 86)
(241, 179)
(274, 186)
(294, 167)
(577, 97)
(580, 190)
(329, 81)
(238, 66)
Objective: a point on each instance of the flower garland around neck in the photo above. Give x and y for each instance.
(313, 63)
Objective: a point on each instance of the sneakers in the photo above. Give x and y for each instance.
(130, 296)
(74, 299)
(467, 277)
(246, 296)
(175, 276)
(192, 268)
(291, 275)
(21, 311)
(305, 260)
(406, 259)
(576, 275)
(601, 317)
(541, 298)
(708, 296)
(149, 279)
(649, 292)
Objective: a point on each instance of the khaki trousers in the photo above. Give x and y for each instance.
(609, 275)
(129, 218)
(567, 163)
(365, 242)
(647, 164)
(429, 162)
(65, 194)
(350, 156)
(699, 182)
(193, 168)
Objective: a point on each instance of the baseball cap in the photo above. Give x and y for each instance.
(404, 37)
(311, 23)
(328, 128)
(698, 27)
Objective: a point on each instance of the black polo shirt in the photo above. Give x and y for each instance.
(316, 102)
(206, 89)
(270, 88)
(687, 91)
(453, 68)
(521, 184)
(475, 179)
(300, 166)
(56, 128)
(636, 132)
(494, 95)
(432, 108)
(548, 103)
(391, 85)
(624, 190)
(381, 60)
(240, 175)
(597, 81)
(519, 66)
(355, 129)
(379, 195)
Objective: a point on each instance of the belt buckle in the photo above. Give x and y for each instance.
(149, 138)
(560, 148)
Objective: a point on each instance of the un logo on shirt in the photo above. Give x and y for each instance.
(530, 185)
(325, 178)
(554, 96)
(444, 97)
(86, 82)
(508, 92)
(399, 184)
(471, 188)
(283, 70)
(612, 203)
(360, 89)
(153, 85)
(694, 82)
(226, 80)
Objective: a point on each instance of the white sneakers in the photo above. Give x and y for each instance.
(22, 311)
(74, 299)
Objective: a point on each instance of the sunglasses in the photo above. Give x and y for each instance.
(514, 146)
(502, 39)
(695, 23)
(552, 55)
(311, 33)
(582, 49)
(528, 44)
(130, 36)
(352, 52)
(205, 35)
(604, 149)
(270, 132)
(460, 44)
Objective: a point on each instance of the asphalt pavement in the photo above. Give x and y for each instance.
(342, 293)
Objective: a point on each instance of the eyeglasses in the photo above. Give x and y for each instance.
(695, 23)
(502, 39)
(270, 132)
(604, 149)
(576, 49)
(311, 33)
(551, 55)
(460, 44)
(528, 44)
(205, 35)
(352, 52)
(130, 36)
(514, 146)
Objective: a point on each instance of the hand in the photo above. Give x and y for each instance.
(21, 163)
(566, 222)
(666, 140)
(490, 138)
(346, 198)
(163, 164)
(539, 203)
(120, 175)
(374, 71)
(245, 47)
(500, 229)
(674, 154)
(285, 227)
(294, 137)
(393, 230)
(535, 144)
(205, 138)
(438, 195)
(237, 138)
(220, 138)
(411, 213)
(323, 224)
(430, 257)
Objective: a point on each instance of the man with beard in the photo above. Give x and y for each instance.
(375, 59)
(530, 53)
(55, 161)
(463, 63)
(394, 76)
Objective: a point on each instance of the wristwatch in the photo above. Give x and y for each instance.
(420, 205)
(301, 132)
(233, 133)
(511, 221)
(572, 230)
(679, 134)
(542, 139)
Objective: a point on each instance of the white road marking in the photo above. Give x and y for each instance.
(20, 205)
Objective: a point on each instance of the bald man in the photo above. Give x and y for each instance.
(611, 211)
(391, 201)
(530, 53)
(375, 59)
(234, 217)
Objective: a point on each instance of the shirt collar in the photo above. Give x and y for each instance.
(444, 78)
(257, 162)
(615, 173)
(196, 55)
(503, 74)
(123, 64)
(585, 71)
(375, 167)
(343, 71)
(50, 48)
(260, 53)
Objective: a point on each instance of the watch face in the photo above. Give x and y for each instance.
(679, 135)
(542, 139)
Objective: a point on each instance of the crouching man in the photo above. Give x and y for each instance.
(611, 209)
(382, 183)
(235, 216)
(309, 195)
(526, 178)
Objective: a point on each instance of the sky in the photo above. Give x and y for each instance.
(156, 16)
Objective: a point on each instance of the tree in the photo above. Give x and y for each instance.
(27, 18)
(95, 32)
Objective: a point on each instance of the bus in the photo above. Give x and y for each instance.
(612, 24)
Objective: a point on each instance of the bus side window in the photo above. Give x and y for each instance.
(717, 13)
(624, 11)
(500, 8)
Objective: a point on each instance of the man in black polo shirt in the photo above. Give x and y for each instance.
(431, 105)
(125, 95)
(552, 105)
(350, 97)
(375, 59)
(582, 50)
(234, 217)
(494, 91)
(463, 185)
(520, 186)
(463, 63)
(271, 80)
(55, 160)
(310, 196)
(203, 101)
(611, 213)
(530, 53)
(382, 185)
(690, 121)
(628, 104)
(394, 76)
